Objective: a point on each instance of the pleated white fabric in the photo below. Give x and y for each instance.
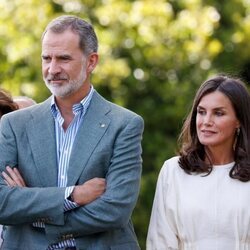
(191, 212)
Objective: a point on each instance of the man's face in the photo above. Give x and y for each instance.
(64, 66)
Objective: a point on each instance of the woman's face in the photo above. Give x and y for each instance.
(216, 121)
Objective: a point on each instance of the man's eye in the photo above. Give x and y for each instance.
(65, 58)
(45, 58)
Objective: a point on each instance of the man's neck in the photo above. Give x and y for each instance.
(65, 104)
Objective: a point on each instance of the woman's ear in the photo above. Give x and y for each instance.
(237, 125)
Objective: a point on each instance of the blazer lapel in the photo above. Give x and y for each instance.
(94, 125)
(41, 134)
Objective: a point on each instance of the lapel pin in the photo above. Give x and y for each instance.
(102, 125)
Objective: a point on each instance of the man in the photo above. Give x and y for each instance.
(71, 166)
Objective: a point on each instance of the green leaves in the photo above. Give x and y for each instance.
(153, 56)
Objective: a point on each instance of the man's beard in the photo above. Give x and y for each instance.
(67, 88)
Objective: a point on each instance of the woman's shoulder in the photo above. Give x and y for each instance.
(171, 166)
(170, 173)
(172, 163)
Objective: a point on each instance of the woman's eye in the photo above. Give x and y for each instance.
(201, 112)
(219, 113)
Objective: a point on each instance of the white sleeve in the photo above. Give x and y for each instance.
(162, 231)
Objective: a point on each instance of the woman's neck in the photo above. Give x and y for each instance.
(219, 156)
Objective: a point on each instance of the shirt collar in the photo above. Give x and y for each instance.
(78, 107)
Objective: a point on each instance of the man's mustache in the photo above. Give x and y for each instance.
(56, 77)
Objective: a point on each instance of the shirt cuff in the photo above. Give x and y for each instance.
(68, 204)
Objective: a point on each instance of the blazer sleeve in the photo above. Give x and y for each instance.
(162, 231)
(114, 208)
(41, 204)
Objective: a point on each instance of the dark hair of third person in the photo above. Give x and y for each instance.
(6, 103)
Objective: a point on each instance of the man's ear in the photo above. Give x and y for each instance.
(92, 62)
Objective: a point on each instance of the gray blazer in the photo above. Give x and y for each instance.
(108, 145)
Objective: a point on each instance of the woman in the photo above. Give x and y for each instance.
(203, 195)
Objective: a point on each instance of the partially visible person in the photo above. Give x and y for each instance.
(202, 196)
(24, 101)
(9, 104)
(6, 105)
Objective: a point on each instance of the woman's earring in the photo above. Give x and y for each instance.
(236, 138)
(237, 131)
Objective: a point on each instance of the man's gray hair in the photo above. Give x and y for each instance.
(88, 42)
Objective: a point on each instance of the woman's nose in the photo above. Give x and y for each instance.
(208, 120)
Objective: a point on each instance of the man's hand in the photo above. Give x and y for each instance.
(82, 194)
(13, 178)
(89, 191)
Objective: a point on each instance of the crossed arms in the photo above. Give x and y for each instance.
(104, 204)
(82, 194)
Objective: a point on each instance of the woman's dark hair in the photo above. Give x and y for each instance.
(6, 103)
(192, 152)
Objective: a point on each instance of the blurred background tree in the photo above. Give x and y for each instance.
(153, 56)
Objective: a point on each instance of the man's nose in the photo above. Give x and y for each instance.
(54, 67)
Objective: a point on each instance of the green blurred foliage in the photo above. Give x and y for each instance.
(153, 56)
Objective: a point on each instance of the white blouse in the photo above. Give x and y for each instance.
(191, 212)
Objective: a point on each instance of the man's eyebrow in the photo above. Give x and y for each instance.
(64, 56)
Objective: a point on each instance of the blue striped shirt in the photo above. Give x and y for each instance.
(64, 144)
